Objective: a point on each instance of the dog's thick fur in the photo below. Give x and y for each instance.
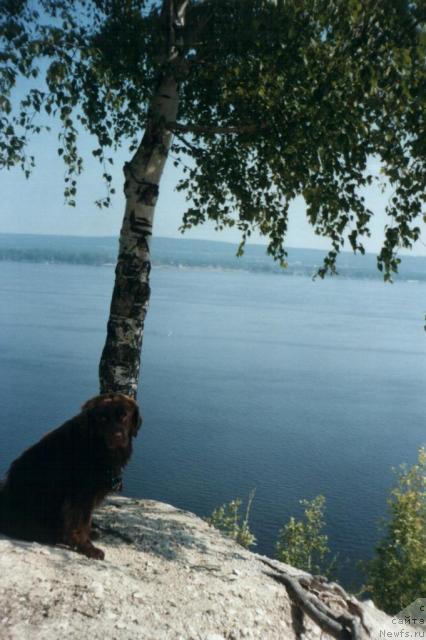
(51, 490)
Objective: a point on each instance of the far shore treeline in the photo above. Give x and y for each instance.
(176, 252)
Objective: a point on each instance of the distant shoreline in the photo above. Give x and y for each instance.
(201, 254)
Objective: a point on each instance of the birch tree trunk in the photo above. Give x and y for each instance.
(120, 361)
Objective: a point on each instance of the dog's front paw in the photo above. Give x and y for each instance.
(96, 553)
(90, 551)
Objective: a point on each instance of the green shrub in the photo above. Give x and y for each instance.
(302, 544)
(397, 573)
(229, 521)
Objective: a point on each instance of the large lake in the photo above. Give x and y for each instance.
(249, 380)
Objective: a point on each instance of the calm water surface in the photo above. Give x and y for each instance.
(249, 380)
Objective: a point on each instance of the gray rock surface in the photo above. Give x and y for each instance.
(167, 575)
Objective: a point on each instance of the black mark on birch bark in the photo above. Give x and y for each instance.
(147, 193)
(141, 227)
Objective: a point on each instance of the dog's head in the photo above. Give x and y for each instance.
(115, 418)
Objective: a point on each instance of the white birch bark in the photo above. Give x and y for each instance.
(120, 361)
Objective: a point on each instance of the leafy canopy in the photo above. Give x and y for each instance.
(279, 99)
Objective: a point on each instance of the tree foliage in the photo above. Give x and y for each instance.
(278, 99)
(397, 573)
(302, 543)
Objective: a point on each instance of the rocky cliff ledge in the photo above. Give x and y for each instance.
(168, 575)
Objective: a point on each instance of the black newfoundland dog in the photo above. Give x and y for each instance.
(51, 490)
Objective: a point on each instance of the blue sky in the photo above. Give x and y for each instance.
(37, 205)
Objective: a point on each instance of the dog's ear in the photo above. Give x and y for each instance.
(136, 421)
